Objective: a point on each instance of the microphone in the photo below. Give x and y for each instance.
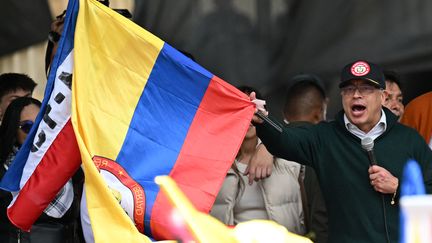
(367, 144)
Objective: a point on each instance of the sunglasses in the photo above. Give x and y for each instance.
(26, 126)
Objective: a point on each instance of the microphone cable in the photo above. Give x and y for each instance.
(367, 144)
(385, 218)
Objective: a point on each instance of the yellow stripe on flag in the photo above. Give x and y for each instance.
(113, 59)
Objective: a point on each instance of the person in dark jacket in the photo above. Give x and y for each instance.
(361, 199)
(17, 122)
(306, 104)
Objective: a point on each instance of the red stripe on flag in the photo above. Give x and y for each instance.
(207, 153)
(58, 165)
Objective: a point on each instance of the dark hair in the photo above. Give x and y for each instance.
(247, 90)
(309, 78)
(10, 124)
(393, 77)
(11, 82)
(305, 93)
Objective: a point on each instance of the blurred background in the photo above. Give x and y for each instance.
(260, 43)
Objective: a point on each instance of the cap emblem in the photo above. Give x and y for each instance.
(360, 68)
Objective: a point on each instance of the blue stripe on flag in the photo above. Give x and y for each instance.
(161, 121)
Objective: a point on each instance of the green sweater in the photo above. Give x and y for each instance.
(355, 209)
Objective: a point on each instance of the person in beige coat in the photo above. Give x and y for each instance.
(276, 198)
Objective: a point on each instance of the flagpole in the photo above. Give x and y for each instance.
(269, 121)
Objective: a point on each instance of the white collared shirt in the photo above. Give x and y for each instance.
(375, 132)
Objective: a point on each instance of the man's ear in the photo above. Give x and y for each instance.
(317, 116)
(384, 96)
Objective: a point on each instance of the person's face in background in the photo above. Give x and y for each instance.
(362, 107)
(393, 99)
(27, 118)
(9, 97)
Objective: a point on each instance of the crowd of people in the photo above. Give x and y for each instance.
(314, 177)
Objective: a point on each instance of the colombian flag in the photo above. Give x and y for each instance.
(134, 108)
(142, 109)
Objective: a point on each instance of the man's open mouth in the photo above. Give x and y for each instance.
(358, 108)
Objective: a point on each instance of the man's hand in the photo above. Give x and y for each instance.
(382, 180)
(260, 166)
(259, 106)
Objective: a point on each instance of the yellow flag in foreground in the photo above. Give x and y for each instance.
(192, 225)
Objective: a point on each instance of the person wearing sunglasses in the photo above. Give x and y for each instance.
(17, 122)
